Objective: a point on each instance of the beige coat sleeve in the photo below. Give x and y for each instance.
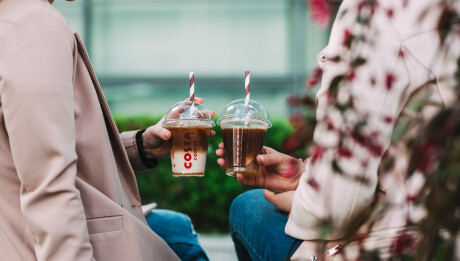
(129, 142)
(36, 91)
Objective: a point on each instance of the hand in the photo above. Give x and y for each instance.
(282, 200)
(156, 138)
(278, 172)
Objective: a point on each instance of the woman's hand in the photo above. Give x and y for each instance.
(278, 172)
(157, 139)
(282, 200)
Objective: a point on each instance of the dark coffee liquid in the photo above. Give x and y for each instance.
(242, 145)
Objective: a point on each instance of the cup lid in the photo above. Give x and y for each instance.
(235, 111)
(187, 113)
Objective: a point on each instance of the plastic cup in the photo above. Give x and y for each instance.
(243, 136)
(190, 124)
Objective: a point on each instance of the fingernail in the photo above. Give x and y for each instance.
(260, 158)
(292, 170)
(166, 134)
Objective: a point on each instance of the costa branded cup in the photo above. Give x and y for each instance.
(243, 131)
(190, 124)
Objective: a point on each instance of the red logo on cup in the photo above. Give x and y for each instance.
(187, 157)
(187, 148)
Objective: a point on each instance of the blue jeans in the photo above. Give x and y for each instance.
(176, 229)
(257, 229)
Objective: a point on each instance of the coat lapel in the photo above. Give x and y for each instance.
(110, 123)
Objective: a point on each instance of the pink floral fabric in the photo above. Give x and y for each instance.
(386, 73)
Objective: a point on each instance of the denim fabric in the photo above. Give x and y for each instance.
(177, 230)
(257, 229)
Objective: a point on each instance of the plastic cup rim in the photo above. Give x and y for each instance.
(168, 123)
(244, 119)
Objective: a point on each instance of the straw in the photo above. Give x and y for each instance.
(246, 97)
(246, 92)
(192, 86)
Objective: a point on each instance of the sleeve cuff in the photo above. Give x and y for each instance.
(130, 144)
(149, 163)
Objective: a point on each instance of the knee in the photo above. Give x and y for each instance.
(242, 207)
(171, 222)
(178, 217)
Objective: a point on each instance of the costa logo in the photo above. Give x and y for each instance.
(188, 148)
(187, 157)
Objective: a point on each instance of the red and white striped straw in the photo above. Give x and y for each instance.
(246, 91)
(192, 86)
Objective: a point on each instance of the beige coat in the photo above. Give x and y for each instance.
(67, 187)
(404, 54)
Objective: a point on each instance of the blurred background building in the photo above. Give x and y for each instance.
(143, 50)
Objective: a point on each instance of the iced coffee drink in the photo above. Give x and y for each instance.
(243, 135)
(242, 145)
(190, 124)
(189, 148)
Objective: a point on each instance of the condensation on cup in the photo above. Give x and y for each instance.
(243, 134)
(190, 124)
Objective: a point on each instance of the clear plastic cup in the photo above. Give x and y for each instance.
(243, 136)
(190, 124)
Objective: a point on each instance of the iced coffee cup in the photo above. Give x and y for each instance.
(243, 132)
(190, 125)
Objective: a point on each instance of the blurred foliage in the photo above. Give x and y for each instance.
(205, 199)
(437, 153)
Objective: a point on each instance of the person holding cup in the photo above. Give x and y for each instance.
(344, 203)
(68, 189)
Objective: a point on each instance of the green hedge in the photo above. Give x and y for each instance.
(207, 199)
